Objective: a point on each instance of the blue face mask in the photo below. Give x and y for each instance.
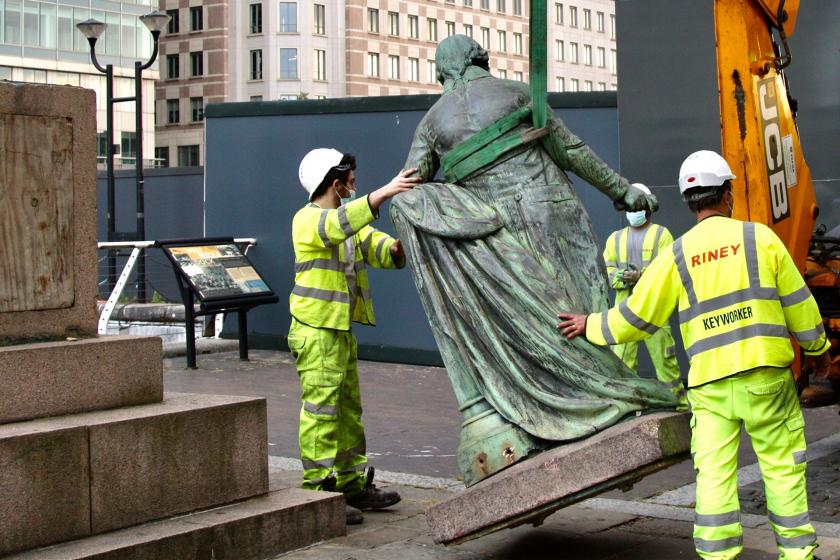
(636, 218)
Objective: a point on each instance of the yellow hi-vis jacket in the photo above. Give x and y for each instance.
(739, 295)
(617, 253)
(325, 241)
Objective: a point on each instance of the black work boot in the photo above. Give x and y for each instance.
(354, 516)
(372, 497)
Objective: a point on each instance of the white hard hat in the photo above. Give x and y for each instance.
(642, 188)
(704, 169)
(315, 165)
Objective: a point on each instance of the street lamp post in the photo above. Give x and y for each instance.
(92, 29)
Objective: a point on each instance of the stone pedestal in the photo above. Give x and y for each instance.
(530, 490)
(90, 448)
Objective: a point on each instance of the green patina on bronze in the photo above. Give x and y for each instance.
(496, 254)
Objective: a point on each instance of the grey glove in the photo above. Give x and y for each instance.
(635, 200)
(630, 277)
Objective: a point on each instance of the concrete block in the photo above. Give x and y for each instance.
(54, 378)
(186, 453)
(45, 487)
(529, 491)
(254, 529)
(48, 278)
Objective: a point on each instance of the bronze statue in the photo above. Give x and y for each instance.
(495, 250)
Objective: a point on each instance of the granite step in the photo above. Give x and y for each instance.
(73, 476)
(255, 529)
(67, 377)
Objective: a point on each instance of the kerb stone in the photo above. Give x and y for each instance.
(532, 489)
(53, 378)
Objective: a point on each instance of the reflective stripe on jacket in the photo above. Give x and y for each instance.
(617, 251)
(739, 296)
(321, 296)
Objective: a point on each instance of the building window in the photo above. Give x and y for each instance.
(256, 98)
(432, 29)
(612, 27)
(373, 65)
(502, 74)
(255, 18)
(450, 28)
(128, 146)
(500, 6)
(173, 111)
(174, 22)
(197, 63)
(517, 7)
(432, 71)
(600, 22)
(197, 108)
(468, 30)
(288, 64)
(602, 86)
(172, 66)
(394, 23)
(485, 4)
(256, 64)
(518, 76)
(188, 156)
(320, 20)
(517, 43)
(485, 38)
(602, 57)
(572, 16)
(413, 27)
(373, 20)
(573, 53)
(196, 18)
(560, 84)
(559, 50)
(587, 18)
(574, 85)
(587, 85)
(502, 38)
(288, 17)
(320, 64)
(468, 3)
(414, 69)
(587, 55)
(393, 67)
(101, 141)
(613, 63)
(162, 156)
(558, 13)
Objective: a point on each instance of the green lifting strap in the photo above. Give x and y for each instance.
(484, 137)
(537, 40)
(490, 153)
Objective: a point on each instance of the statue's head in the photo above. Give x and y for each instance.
(457, 53)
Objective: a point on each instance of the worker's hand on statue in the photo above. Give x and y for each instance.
(398, 253)
(635, 200)
(821, 366)
(571, 324)
(630, 277)
(401, 183)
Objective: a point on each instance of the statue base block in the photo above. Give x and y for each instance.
(531, 490)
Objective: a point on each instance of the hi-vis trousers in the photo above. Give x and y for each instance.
(662, 349)
(331, 435)
(764, 401)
